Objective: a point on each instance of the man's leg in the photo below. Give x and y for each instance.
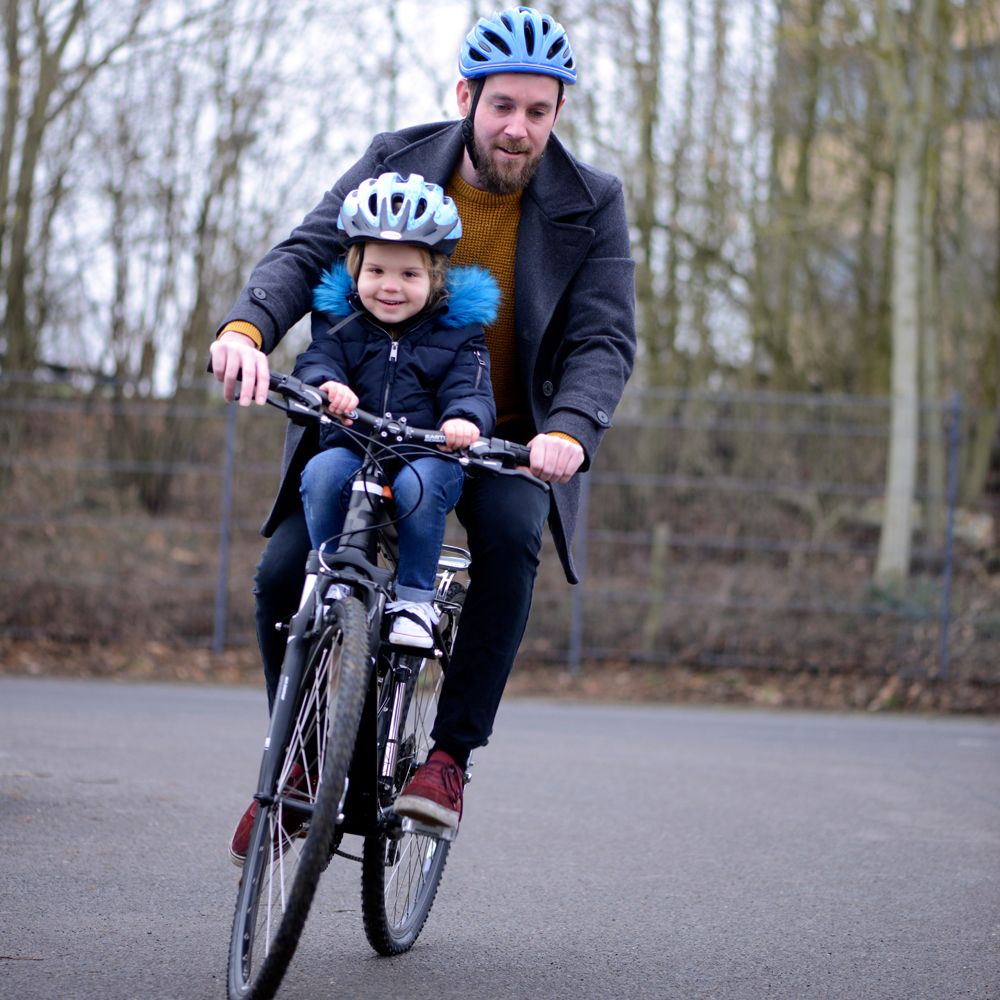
(277, 589)
(504, 519)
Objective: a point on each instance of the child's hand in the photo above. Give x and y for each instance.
(342, 399)
(459, 434)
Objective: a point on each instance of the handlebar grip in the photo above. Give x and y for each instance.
(522, 454)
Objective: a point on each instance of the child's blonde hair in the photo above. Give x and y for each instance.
(435, 261)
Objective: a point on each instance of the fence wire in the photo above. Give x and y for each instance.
(718, 529)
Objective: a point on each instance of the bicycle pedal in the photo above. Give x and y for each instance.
(420, 829)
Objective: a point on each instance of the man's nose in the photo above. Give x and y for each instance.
(516, 126)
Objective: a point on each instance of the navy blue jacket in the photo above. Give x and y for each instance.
(574, 296)
(437, 369)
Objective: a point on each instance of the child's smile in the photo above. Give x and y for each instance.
(394, 283)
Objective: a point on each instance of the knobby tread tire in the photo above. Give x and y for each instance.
(343, 727)
(377, 929)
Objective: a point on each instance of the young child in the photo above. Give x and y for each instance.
(398, 333)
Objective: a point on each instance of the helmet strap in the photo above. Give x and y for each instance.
(468, 122)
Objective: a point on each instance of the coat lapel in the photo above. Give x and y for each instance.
(550, 248)
(434, 157)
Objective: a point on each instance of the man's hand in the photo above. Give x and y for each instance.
(554, 459)
(342, 399)
(235, 353)
(459, 434)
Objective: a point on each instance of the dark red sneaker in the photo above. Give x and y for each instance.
(434, 793)
(240, 842)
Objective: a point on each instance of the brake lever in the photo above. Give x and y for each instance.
(484, 468)
(304, 404)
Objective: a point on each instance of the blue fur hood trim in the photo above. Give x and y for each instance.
(473, 295)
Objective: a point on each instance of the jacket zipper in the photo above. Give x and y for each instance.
(390, 375)
(482, 365)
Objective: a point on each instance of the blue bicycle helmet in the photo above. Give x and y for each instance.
(405, 209)
(517, 40)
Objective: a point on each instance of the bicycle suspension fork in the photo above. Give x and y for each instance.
(401, 674)
(292, 668)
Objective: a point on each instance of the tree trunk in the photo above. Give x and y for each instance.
(930, 321)
(893, 565)
(906, 70)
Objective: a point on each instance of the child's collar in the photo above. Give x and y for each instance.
(471, 296)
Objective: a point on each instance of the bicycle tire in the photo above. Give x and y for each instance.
(280, 875)
(399, 879)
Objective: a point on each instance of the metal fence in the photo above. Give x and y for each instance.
(717, 529)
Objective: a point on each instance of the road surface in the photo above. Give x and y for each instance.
(606, 852)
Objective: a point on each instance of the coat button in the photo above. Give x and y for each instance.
(548, 388)
(603, 417)
(258, 293)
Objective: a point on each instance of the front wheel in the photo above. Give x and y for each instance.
(295, 827)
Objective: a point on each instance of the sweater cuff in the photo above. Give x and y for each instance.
(565, 437)
(247, 329)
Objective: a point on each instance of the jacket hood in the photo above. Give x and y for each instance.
(471, 296)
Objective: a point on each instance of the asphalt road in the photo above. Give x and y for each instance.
(606, 851)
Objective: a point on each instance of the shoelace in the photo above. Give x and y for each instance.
(451, 778)
(425, 612)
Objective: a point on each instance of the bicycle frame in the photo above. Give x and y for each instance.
(354, 567)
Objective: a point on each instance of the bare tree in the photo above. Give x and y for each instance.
(54, 51)
(906, 62)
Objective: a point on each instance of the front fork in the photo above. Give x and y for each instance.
(400, 674)
(285, 701)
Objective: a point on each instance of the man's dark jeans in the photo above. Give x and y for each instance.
(504, 519)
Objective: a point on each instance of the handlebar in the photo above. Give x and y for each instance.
(306, 404)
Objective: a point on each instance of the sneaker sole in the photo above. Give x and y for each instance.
(416, 807)
(411, 641)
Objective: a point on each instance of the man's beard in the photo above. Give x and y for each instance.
(504, 178)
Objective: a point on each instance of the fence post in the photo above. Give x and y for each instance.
(580, 560)
(954, 444)
(225, 525)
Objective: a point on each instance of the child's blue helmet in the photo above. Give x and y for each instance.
(517, 40)
(401, 209)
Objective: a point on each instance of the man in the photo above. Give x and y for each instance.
(553, 233)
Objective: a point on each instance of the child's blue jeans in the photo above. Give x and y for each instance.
(326, 492)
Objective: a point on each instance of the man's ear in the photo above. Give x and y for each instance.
(463, 95)
(558, 109)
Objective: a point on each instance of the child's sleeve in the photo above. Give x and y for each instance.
(466, 391)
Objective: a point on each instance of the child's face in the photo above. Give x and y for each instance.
(394, 283)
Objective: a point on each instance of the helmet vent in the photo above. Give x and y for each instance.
(497, 41)
(546, 25)
(373, 204)
(529, 37)
(507, 24)
(556, 46)
(569, 63)
(477, 55)
(421, 207)
(396, 202)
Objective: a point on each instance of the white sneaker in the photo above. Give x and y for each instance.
(414, 627)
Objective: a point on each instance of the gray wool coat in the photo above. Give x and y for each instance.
(574, 308)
